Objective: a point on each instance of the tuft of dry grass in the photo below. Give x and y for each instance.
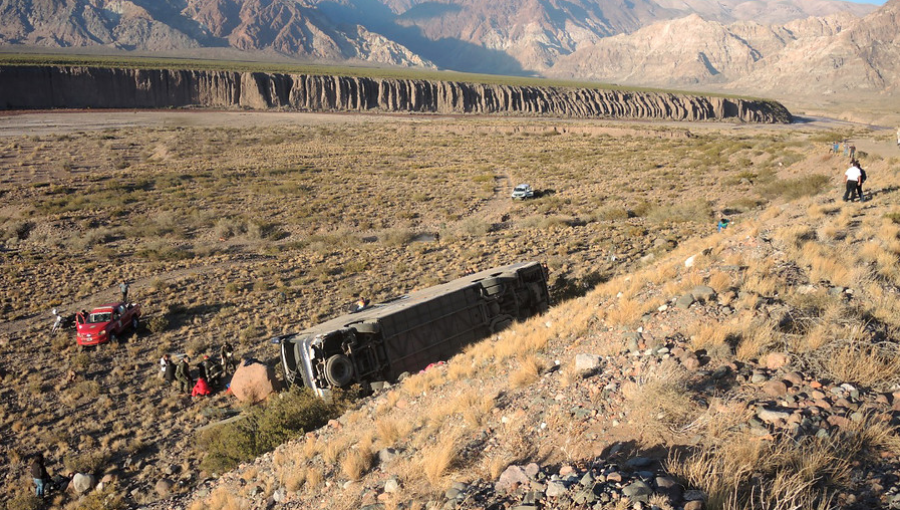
(861, 362)
(660, 402)
(528, 372)
(440, 459)
(357, 462)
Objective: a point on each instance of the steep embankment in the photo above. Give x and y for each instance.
(26, 87)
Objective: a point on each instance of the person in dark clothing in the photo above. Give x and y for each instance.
(39, 474)
(183, 376)
(860, 182)
(228, 362)
(204, 368)
(169, 375)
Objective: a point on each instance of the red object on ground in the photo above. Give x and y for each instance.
(201, 388)
(105, 322)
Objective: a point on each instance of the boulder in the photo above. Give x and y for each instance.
(82, 483)
(253, 381)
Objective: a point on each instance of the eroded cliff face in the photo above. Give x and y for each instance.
(28, 87)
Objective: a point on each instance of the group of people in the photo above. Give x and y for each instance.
(854, 178)
(208, 371)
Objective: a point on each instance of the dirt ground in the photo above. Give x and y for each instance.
(179, 203)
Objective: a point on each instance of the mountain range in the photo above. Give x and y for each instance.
(813, 48)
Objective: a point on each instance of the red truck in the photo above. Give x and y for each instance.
(106, 322)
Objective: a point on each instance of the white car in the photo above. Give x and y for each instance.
(523, 191)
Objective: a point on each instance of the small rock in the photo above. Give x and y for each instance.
(164, 487)
(555, 489)
(638, 491)
(510, 478)
(684, 302)
(386, 455)
(703, 293)
(392, 485)
(772, 415)
(587, 362)
(638, 462)
(776, 360)
(774, 388)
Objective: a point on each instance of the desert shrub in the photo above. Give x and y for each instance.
(894, 216)
(158, 323)
(286, 416)
(88, 462)
(23, 229)
(161, 250)
(697, 210)
(475, 227)
(398, 236)
(81, 361)
(24, 501)
(795, 188)
(260, 230)
(564, 287)
(106, 499)
(611, 214)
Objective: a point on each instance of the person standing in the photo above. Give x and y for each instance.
(851, 179)
(227, 353)
(124, 288)
(164, 363)
(39, 474)
(183, 376)
(860, 182)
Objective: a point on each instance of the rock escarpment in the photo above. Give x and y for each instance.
(28, 87)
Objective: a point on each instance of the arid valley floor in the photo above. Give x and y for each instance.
(778, 389)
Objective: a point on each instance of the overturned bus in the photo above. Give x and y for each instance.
(405, 334)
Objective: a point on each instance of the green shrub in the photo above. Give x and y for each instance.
(106, 499)
(697, 210)
(284, 417)
(397, 236)
(158, 323)
(795, 188)
(25, 501)
(88, 462)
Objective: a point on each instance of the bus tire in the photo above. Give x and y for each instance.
(338, 370)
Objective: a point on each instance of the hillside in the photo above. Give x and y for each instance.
(258, 224)
(753, 368)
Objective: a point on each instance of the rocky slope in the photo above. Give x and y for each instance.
(26, 87)
(504, 37)
(704, 394)
(837, 56)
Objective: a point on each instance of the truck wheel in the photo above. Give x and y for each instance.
(338, 370)
(114, 338)
(367, 327)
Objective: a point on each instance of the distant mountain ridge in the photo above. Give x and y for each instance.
(749, 46)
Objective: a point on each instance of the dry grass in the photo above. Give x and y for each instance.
(357, 462)
(528, 372)
(660, 403)
(439, 460)
(858, 361)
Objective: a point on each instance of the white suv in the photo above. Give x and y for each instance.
(522, 192)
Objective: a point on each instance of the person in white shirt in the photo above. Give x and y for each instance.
(851, 178)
